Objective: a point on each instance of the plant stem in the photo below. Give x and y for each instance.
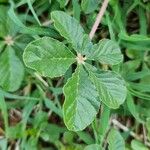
(99, 18)
(126, 129)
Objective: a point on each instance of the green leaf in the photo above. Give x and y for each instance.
(138, 145)
(48, 56)
(81, 104)
(31, 30)
(3, 108)
(63, 3)
(16, 131)
(7, 27)
(3, 144)
(69, 28)
(85, 137)
(26, 112)
(68, 137)
(106, 52)
(104, 122)
(12, 70)
(76, 9)
(87, 46)
(3, 18)
(36, 30)
(33, 11)
(93, 147)
(50, 104)
(132, 108)
(52, 132)
(135, 41)
(147, 124)
(111, 88)
(89, 6)
(115, 141)
(15, 18)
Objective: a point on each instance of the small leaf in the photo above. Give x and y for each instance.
(138, 145)
(147, 124)
(48, 56)
(69, 28)
(104, 122)
(33, 11)
(63, 3)
(111, 88)
(3, 18)
(51, 132)
(12, 70)
(115, 141)
(85, 137)
(3, 109)
(93, 147)
(135, 42)
(132, 108)
(106, 52)
(3, 144)
(51, 105)
(81, 103)
(87, 46)
(16, 131)
(89, 6)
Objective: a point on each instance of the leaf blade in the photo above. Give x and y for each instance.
(93, 147)
(106, 52)
(115, 140)
(11, 67)
(3, 108)
(69, 28)
(79, 102)
(88, 6)
(48, 56)
(111, 88)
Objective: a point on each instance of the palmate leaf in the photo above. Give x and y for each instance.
(48, 56)
(115, 141)
(106, 52)
(111, 88)
(52, 58)
(69, 28)
(11, 70)
(81, 104)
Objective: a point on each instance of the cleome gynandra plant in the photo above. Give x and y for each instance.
(88, 86)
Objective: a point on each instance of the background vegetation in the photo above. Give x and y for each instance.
(31, 105)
